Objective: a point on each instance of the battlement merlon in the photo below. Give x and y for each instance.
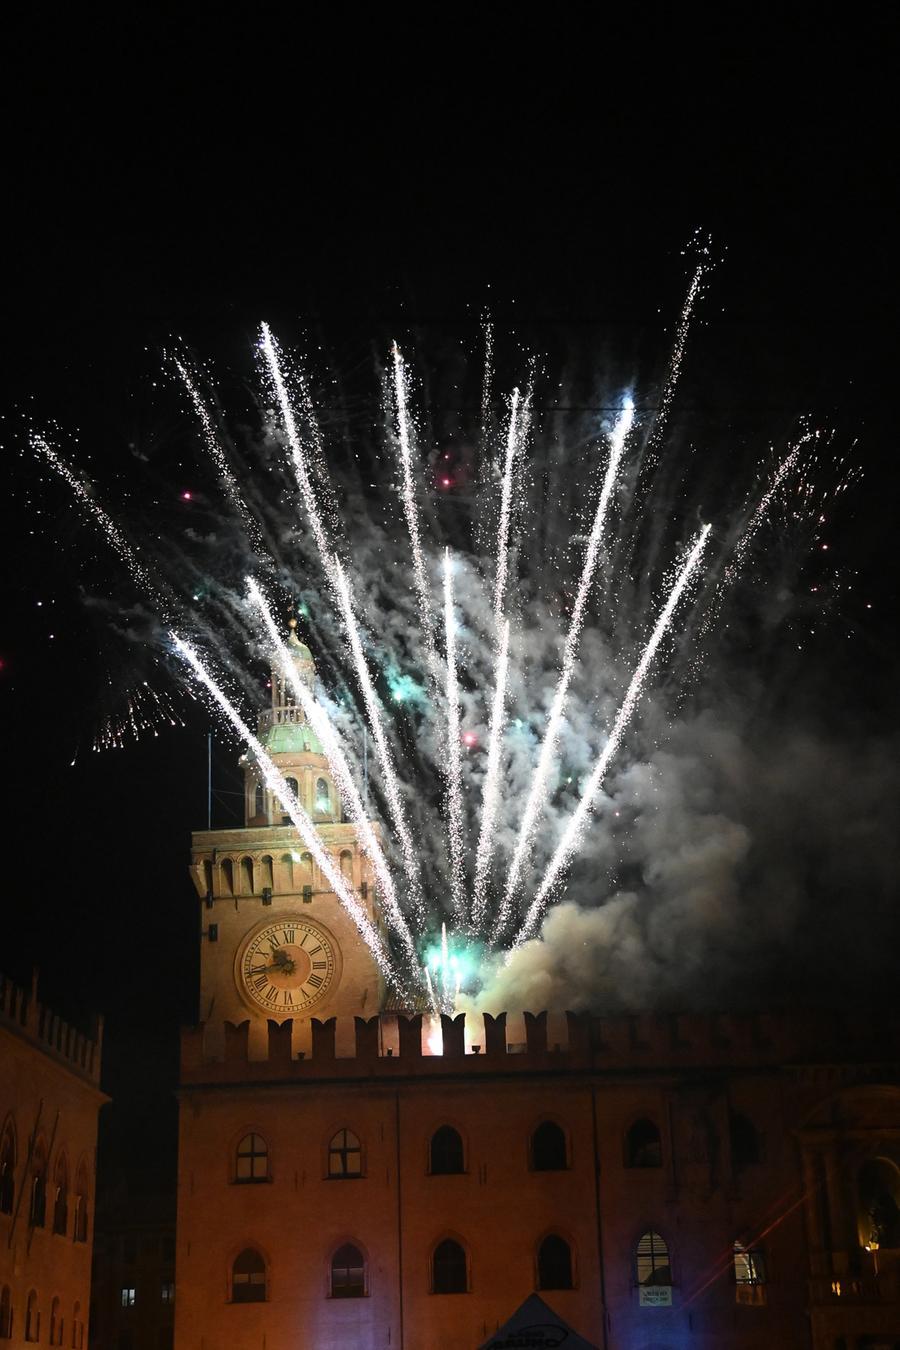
(392, 1045)
(23, 1014)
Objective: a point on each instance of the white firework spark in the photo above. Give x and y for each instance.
(490, 802)
(454, 753)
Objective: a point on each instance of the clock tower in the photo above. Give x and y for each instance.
(276, 941)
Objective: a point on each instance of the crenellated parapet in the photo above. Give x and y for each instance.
(391, 1045)
(22, 1013)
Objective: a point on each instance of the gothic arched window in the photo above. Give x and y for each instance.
(60, 1197)
(248, 1277)
(348, 1272)
(446, 1152)
(449, 1269)
(643, 1145)
(554, 1263)
(652, 1260)
(548, 1148)
(32, 1318)
(56, 1328)
(344, 1155)
(252, 1163)
(7, 1170)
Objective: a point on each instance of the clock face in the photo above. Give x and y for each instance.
(286, 966)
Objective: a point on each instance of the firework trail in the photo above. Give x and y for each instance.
(114, 536)
(277, 784)
(513, 440)
(230, 483)
(341, 771)
(491, 795)
(385, 759)
(269, 350)
(410, 506)
(677, 357)
(454, 753)
(538, 792)
(487, 381)
(576, 827)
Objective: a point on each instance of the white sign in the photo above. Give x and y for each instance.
(655, 1295)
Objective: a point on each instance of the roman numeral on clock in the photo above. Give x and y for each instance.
(320, 965)
(315, 981)
(289, 935)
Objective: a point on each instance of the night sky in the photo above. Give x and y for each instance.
(164, 178)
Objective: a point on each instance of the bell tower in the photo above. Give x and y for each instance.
(276, 942)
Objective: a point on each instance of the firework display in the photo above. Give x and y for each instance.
(485, 788)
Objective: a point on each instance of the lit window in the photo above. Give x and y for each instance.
(446, 1152)
(548, 1148)
(749, 1274)
(643, 1146)
(449, 1271)
(344, 1155)
(652, 1263)
(323, 798)
(252, 1159)
(554, 1263)
(348, 1272)
(168, 1291)
(128, 1297)
(248, 1278)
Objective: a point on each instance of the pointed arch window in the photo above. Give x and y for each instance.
(449, 1269)
(652, 1260)
(548, 1148)
(643, 1145)
(248, 1277)
(61, 1198)
(56, 1327)
(32, 1318)
(446, 1153)
(344, 1155)
(348, 1272)
(554, 1263)
(5, 1313)
(7, 1170)
(252, 1159)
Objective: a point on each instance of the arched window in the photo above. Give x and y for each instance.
(652, 1260)
(554, 1263)
(32, 1318)
(61, 1197)
(878, 1186)
(267, 874)
(82, 1188)
(247, 876)
(348, 1272)
(77, 1328)
(248, 1277)
(252, 1159)
(7, 1170)
(37, 1212)
(446, 1153)
(55, 1324)
(287, 862)
(5, 1313)
(344, 1155)
(259, 800)
(228, 876)
(293, 786)
(449, 1270)
(746, 1147)
(643, 1146)
(323, 797)
(347, 863)
(548, 1148)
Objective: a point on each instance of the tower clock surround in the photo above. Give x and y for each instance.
(287, 965)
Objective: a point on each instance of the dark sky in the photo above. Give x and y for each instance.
(192, 175)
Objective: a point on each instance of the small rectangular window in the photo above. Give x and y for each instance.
(168, 1291)
(128, 1297)
(749, 1275)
